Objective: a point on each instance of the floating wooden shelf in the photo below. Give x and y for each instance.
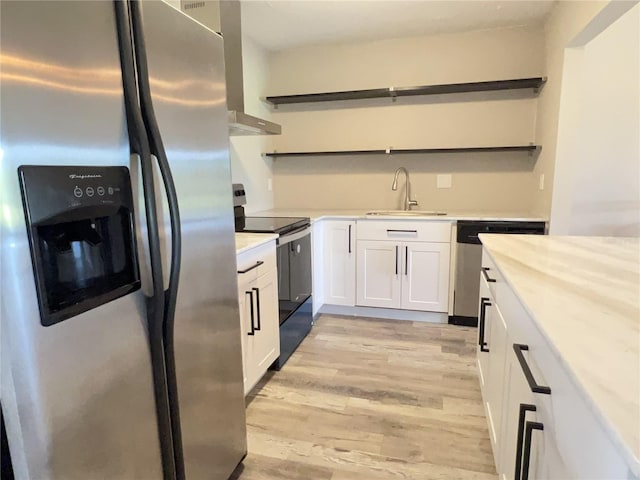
(393, 92)
(530, 149)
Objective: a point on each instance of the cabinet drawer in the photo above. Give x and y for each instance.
(490, 275)
(257, 261)
(404, 230)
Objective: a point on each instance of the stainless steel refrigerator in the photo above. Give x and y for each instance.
(120, 342)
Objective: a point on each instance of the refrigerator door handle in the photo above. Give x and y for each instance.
(139, 145)
(170, 295)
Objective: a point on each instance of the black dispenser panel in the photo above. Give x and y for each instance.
(82, 237)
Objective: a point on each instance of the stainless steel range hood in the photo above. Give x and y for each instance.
(225, 17)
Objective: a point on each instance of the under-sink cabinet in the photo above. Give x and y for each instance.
(258, 302)
(540, 424)
(403, 264)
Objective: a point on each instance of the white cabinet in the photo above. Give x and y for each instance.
(258, 302)
(492, 344)
(403, 265)
(379, 281)
(497, 349)
(425, 278)
(339, 262)
(483, 321)
(539, 421)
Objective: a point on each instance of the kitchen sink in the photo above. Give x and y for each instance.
(405, 213)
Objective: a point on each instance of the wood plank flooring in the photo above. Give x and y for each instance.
(369, 399)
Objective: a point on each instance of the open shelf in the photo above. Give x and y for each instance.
(530, 149)
(392, 92)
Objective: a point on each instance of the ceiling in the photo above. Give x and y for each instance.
(283, 24)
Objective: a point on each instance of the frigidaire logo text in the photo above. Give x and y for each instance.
(82, 177)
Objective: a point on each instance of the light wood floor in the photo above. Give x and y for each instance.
(368, 399)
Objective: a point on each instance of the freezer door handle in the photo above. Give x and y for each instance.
(171, 293)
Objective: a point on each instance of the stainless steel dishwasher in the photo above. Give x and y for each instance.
(469, 259)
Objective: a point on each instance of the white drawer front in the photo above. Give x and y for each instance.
(249, 261)
(405, 230)
(490, 274)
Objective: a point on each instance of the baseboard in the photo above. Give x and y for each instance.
(386, 313)
(463, 321)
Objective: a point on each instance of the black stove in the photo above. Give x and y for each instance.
(279, 225)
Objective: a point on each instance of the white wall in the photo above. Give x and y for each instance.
(566, 21)
(597, 185)
(480, 182)
(247, 164)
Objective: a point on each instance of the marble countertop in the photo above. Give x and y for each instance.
(247, 241)
(319, 214)
(584, 295)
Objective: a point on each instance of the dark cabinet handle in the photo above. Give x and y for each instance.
(397, 259)
(392, 230)
(535, 388)
(529, 428)
(258, 263)
(349, 238)
(406, 260)
(257, 290)
(524, 408)
(484, 303)
(485, 272)
(252, 332)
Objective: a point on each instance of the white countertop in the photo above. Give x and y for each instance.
(584, 295)
(361, 213)
(247, 241)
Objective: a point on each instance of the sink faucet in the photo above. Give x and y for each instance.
(408, 203)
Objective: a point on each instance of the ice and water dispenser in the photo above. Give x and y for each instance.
(82, 237)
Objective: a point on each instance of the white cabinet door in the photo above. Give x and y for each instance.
(484, 312)
(516, 394)
(259, 319)
(528, 442)
(496, 335)
(339, 262)
(267, 338)
(244, 301)
(425, 276)
(378, 277)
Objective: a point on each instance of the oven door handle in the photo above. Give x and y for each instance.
(292, 237)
